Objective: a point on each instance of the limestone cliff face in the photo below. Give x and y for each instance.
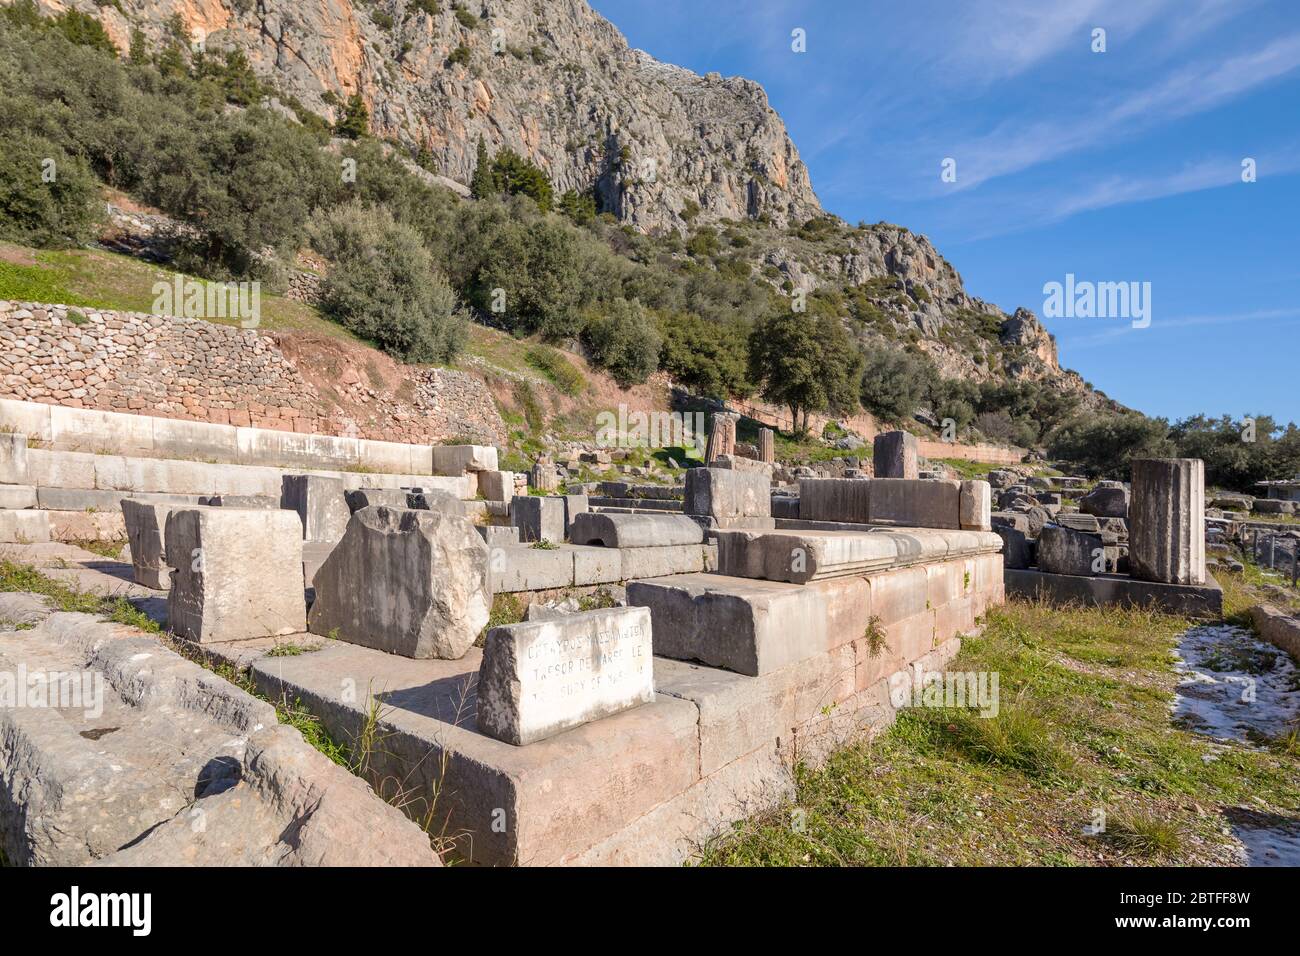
(552, 80)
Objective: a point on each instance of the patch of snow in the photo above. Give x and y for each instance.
(1237, 687)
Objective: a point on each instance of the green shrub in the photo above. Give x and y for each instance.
(383, 284)
(47, 198)
(459, 56)
(624, 341)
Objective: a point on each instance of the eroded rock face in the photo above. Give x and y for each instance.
(146, 758)
(408, 582)
(564, 90)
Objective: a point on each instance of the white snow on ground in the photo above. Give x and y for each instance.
(1241, 691)
(1237, 687)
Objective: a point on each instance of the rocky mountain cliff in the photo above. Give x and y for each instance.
(665, 150)
(552, 80)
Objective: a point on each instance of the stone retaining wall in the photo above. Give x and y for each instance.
(198, 371)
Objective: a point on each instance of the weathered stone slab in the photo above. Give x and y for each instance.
(538, 517)
(635, 530)
(1017, 546)
(17, 497)
(722, 435)
(724, 493)
(458, 459)
(259, 502)
(1108, 500)
(743, 625)
(543, 677)
(24, 527)
(1100, 590)
(915, 503)
(834, 499)
(435, 499)
(673, 559)
(1277, 627)
(1167, 520)
(145, 527)
(13, 459)
(894, 455)
(320, 503)
(574, 505)
(405, 581)
(1067, 551)
(236, 574)
(166, 764)
(975, 505)
(498, 536)
(496, 485)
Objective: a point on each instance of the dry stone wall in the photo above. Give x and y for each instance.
(198, 371)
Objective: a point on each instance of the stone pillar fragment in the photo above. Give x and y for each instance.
(1167, 520)
(767, 445)
(894, 455)
(722, 437)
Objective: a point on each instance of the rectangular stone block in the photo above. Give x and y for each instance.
(894, 455)
(525, 568)
(915, 504)
(574, 505)
(727, 493)
(16, 497)
(458, 459)
(61, 469)
(24, 527)
(657, 562)
(975, 504)
(146, 525)
(236, 575)
(801, 556)
(1167, 520)
(496, 485)
(596, 565)
(13, 458)
(834, 499)
(543, 677)
(538, 517)
(743, 625)
(498, 536)
(320, 503)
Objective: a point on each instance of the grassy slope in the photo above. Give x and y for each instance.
(1084, 724)
(94, 278)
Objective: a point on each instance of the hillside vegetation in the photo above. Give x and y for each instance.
(818, 315)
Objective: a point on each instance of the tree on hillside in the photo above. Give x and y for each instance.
(354, 122)
(893, 383)
(1104, 445)
(384, 286)
(623, 339)
(806, 362)
(482, 184)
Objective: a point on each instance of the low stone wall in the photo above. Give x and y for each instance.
(88, 430)
(196, 371)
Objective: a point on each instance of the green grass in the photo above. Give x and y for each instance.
(558, 370)
(1083, 730)
(94, 278)
(969, 470)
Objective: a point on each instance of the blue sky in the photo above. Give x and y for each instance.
(1115, 166)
